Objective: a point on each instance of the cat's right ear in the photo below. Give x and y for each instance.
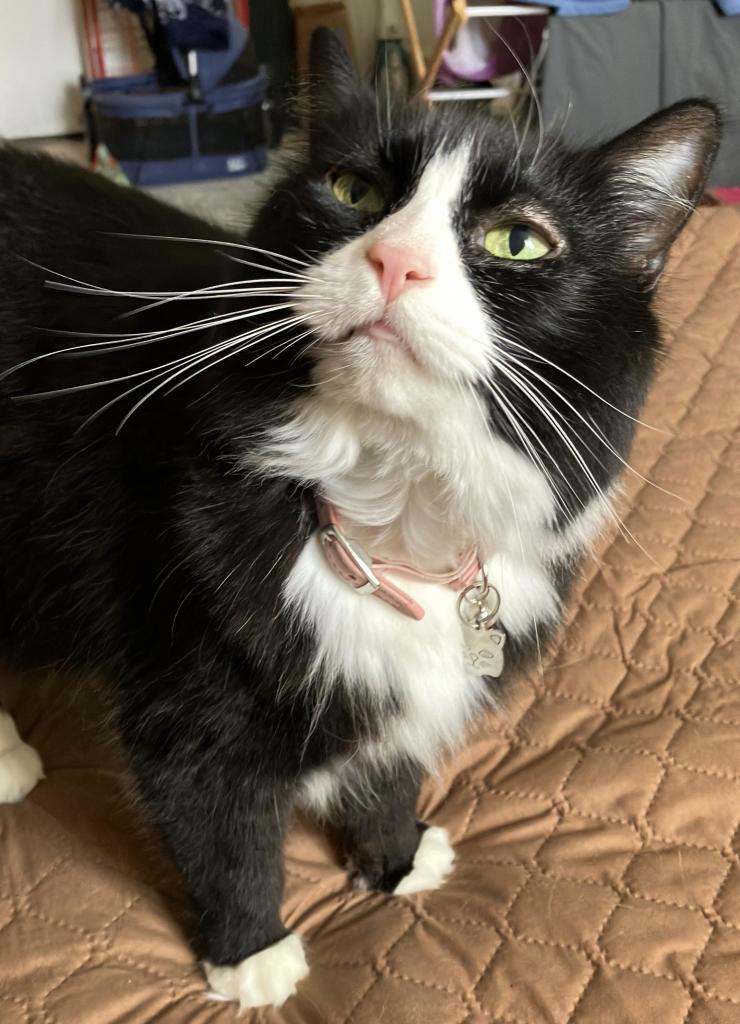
(655, 175)
(332, 78)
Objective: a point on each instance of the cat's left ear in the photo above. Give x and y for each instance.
(332, 74)
(655, 176)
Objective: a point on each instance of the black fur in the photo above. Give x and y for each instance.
(150, 555)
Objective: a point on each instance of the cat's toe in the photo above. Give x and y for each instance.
(20, 770)
(266, 978)
(377, 877)
(432, 863)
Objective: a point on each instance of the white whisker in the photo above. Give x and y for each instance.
(152, 372)
(556, 419)
(300, 278)
(211, 241)
(195, 362)
(533, 92)
(228, 289)
(521, 427)
(599, 434)
(135, 339)
(269, 354)
(556, 366)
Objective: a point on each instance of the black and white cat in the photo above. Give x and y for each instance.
(434, 341)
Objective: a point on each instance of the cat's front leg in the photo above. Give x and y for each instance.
(205, 764)
(387, 848)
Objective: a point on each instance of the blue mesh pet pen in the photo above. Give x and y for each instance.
(198, 115)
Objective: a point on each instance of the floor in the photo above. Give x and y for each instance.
(226, 201)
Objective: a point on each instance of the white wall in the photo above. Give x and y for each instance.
(365, 18)
(40, 65)
(365, 21)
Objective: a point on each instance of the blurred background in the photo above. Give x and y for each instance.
(193, 98)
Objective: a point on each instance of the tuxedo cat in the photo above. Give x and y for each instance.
(308, 497)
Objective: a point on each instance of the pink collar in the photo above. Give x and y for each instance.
(367, 575)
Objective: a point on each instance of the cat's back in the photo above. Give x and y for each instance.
(58, 220)
(39, 193)
(56, 214)
(63, 229)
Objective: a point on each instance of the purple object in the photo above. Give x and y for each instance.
(486, 48)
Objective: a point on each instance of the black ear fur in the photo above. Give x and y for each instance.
(332, 74)
(656, 174)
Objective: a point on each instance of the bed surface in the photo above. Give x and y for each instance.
(595, 820)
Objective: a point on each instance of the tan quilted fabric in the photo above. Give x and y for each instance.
(595, 820)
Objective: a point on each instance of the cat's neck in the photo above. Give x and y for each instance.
(399, 511)
(411, 492)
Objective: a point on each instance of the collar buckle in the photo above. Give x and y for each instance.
(349, 560)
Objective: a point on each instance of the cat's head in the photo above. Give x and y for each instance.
(447, 256)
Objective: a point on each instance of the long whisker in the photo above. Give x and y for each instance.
(300, 278)
(210, 291)
(517, 526)
(535, 64)
(555, 419)
(532, 89)
(518, 421)
(387, 98)
(78, 286)
(77, 388)
(211, 241)
(195, 362)
(599, 434)
(229, 290)
(557, 423)
(146, 336)
(118, 398)
(270, 354)
(152, 372)
(567, 373)
(524, 432)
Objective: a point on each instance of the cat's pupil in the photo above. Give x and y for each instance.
(518, 238)
(358, 190)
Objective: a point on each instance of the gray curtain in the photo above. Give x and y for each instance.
(602, 73)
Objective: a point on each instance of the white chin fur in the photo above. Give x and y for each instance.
(266, 978)
(432, 863)
(20, 765)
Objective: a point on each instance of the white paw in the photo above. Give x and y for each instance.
(266, 978)
(20, 765)
(432, 863)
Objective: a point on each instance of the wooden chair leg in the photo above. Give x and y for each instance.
(420, 67)
(454, 21)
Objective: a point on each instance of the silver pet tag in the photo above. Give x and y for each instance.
(478, 607)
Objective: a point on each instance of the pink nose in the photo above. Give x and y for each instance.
(396, 267)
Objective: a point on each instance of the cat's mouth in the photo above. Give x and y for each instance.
(384, 332)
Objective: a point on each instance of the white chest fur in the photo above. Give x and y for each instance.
(376, 652)
(492, 498)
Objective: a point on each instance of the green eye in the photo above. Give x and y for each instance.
(351, 190)
(516, 242)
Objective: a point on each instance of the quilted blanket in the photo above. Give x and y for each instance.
(595, 817)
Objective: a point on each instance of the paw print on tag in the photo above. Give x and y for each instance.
(485, 651)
